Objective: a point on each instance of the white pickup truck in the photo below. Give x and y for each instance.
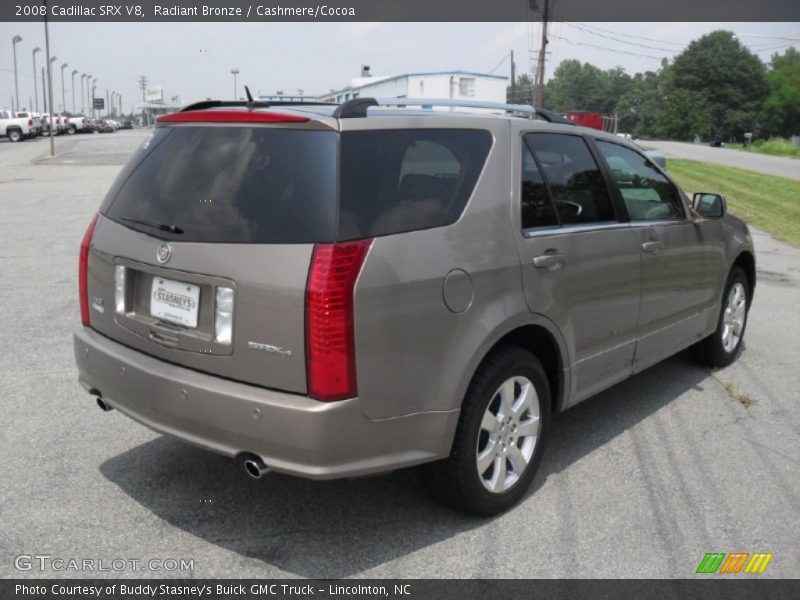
(79, 124)
(14, 128)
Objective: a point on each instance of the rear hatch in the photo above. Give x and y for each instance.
(202, 249)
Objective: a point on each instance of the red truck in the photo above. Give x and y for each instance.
(584, 118)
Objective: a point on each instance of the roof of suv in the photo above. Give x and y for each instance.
(357, 116)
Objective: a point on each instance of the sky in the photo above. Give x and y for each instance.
(194, 60)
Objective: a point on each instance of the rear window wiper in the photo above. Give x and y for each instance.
(154, 225)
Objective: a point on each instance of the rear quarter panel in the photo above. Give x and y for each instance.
(415, 354)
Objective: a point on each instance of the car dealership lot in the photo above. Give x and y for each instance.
(641, 481)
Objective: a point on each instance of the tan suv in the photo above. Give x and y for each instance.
(334, 291)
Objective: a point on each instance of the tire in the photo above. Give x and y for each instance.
(457, 481)
(14, 135)
(71, 130)
(723, 346)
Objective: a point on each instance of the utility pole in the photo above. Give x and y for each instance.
(542, 56)
(44, 93)
(513, 80)
(143, 85)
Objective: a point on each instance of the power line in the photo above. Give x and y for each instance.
(637, 37)
(768, 48)
(616, 51)
(500, 64)
(621, 41)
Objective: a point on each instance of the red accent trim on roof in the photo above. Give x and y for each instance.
(230, 116)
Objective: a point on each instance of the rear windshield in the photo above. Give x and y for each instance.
(270, 185)
(230, 184)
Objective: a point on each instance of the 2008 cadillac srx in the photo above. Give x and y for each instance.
(333, 291)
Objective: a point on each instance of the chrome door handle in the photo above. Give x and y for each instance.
(652, 246)
(550, 261)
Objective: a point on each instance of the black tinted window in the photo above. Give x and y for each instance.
(648, 195)
(537, 206)
(575, 181)
(403, 180)
(231, 184)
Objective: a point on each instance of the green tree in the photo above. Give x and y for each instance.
(682, 116)
(639, 108)
(582, 86)
(731, 80)
(576, 86)
(524, 92)
(781, 113)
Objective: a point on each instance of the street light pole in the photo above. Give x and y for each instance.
(50, 83)
(94, 87)
(35, 84)
(234, 72)
(74, 72)
(83, 96)
(49, 80)
(14, 41)
(63, 94)
(88, 92)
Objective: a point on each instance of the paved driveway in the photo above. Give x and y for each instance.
(641, 481)
(762, 163)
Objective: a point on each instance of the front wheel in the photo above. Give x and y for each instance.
(722, 347)
(500, 436)
(71, 130)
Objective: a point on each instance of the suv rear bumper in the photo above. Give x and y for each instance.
(291, 433)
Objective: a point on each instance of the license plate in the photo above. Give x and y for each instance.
(174, 301)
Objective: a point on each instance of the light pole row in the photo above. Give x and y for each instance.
(91, 84)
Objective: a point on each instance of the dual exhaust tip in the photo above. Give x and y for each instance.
(253, 465)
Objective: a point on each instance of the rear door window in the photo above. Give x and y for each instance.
(538, 209)
(394, 181)
(573, 177)
(230, 184)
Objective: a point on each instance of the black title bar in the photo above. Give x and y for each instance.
(700, 588)
(398, 10)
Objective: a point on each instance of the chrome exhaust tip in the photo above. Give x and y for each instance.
(255, 467)
(104, 406)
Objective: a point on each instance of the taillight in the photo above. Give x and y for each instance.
(330, 332)
(83, 269)
(30, 121)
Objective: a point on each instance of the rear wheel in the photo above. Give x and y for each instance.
(500, 436)
(71, 130)
(722, 347)
(14, 135)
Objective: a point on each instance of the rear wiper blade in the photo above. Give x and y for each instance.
(154, 225)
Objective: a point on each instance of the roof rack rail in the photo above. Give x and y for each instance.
(358, 107)
(355, 108)
(204, 104)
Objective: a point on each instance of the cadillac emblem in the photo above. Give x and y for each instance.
(164, 253)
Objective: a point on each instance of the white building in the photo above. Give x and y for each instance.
(457, 85)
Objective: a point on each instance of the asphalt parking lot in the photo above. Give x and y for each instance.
(640, 481)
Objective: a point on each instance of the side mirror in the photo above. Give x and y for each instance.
(709, 206)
